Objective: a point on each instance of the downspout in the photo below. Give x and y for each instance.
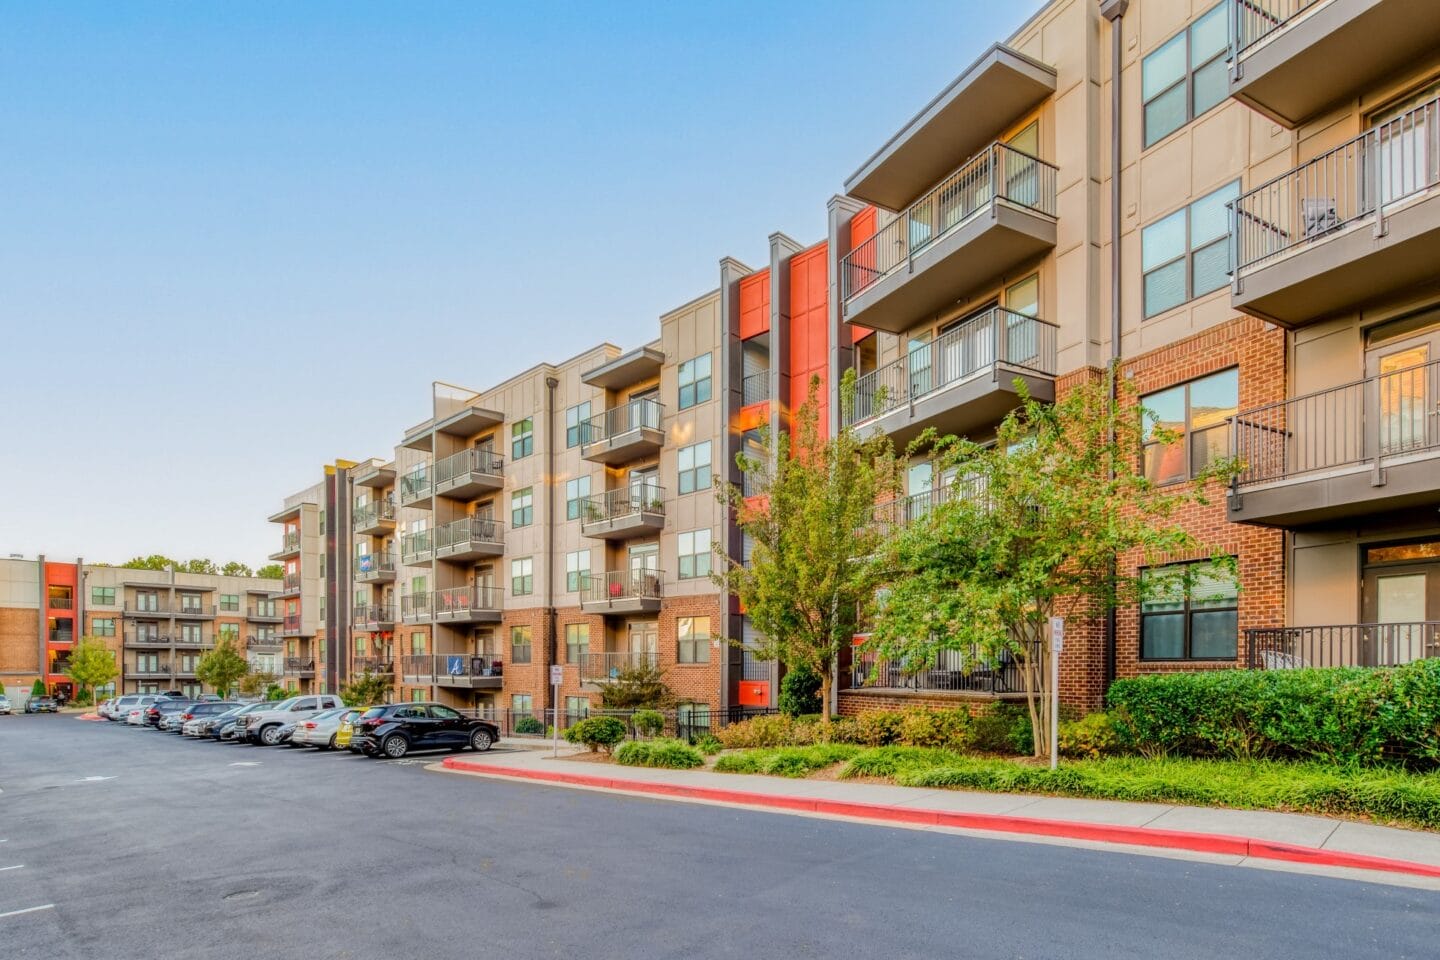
(1114, 11)
(551, 645)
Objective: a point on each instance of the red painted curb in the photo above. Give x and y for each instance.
(1000, 823)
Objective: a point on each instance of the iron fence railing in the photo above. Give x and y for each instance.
(460, 467)
(374, 616)
(608, 665)
(415, 606)
(367, 515)
(948, 670)
(1355, 181)
(999, 172)
(416, 547)
(623, 502)
(618, 585)
(1254, 20)
(467, 530)
(290, 582)
(372, 566)
(637, 414)
(299, 666)
(457, 602)
(755, 388)
(415, 485)
(1342, 645)
(995, 337)
(1390, 415)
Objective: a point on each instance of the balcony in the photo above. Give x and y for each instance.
(60, 636)
(470, 538)
(892, 515)
(289, 546)
(194, 610)
(1355, 224)
(607, 666)
(468, 474)
(375, 518)
(1291, 59)
(60, 603)
(621, 434)
(415, 608)
(375, 617)
(755, 388)
(467, 671)
(467, 605)
(299, 667)
(994, 213)
(158, 671)
(375, 568)
(264, 641)
(58, 667)
(291, 625)
(415, 488)
(961, 381)
(417, 668)
(1366, 448)
(137, 638)
(949, 671)
(1342, 645)
(374, 475)
(416, 548)
(263, 613)
(289, 584)
(382, 666)
(194, 641)
(142, 609)
(622, 591)
(632, 511)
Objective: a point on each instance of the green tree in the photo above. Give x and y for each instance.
(637, 687)
(37, 689)
(197, 566)
(156, 561)
(809, 522)
(271, 571)
(222, 666)
(92, 664)
(236, 569)
(367, 690)
(1046, 521)
(255, 683)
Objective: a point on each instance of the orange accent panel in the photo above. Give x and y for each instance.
(750, 418)
(754, 693)
(809, 338)
(858, 333)
(755, 304)
(862, 227)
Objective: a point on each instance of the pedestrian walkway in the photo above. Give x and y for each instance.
(1341, 847)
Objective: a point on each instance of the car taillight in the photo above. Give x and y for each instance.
(309, 725)
(187, 716)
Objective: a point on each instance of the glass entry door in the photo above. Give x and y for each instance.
(1406, 394)
(1401, 598)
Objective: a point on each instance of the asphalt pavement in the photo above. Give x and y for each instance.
(125, 843)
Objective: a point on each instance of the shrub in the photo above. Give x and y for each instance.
(935, 728)
(529, 724)
(774, 730)
(648, 722)
(786, 761)
(878, 728)
(800, 692)
(1089, 737)
(889, 761)
(709, 745)
(1002, 729)
(598, 734)
(659, 753)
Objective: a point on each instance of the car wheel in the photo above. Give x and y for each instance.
(331, 744)
(481, 740)
(395, 746)
(270, 736)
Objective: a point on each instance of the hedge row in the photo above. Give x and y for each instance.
(1004, 729)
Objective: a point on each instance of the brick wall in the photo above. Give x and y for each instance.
(19, 647)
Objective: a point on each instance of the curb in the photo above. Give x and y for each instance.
(1219, 843)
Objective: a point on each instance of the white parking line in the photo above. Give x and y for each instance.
(16, 867)
(16, 913)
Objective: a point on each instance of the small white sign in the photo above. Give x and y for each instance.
(1057, 633)
(557, 674)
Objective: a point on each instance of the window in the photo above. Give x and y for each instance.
(522, 577)
(1198, 412)
(576, 423)
(359, 646)
(417, 644)
(190, 603)
(229, 601)
(694, 554)
(229, 631)
(577, 570)
(521, 704)
(576, 490)
(695, 467)
(1186, 76)
(577, 641)
(522, 507)
(695, 381)
(191, 633)
(576, 709)
(1188, 612)
(102, 627)
(520, 646)
(522, 438)
(417, 695)
(694, 637)
(1187, 254)
(102, 596)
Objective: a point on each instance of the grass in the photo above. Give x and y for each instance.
(672, 754)
(1383, 794)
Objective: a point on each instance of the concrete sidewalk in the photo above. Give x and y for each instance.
(1339, 847)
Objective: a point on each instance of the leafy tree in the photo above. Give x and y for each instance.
(638, 687)
(271, 571)
(809, 522)
(37, 689)
(800, 693)
(255, 683)
(236, 569)
(156, 561)
(1046, 521)
(197, 566)
(276, 692)
(367, 689)
(92, 664)
(222, 666)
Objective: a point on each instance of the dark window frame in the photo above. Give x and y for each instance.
(1188, 431)
(1187, 80)
(1188, 614)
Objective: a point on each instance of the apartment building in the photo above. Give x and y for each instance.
(157, 623)
(1255, 243)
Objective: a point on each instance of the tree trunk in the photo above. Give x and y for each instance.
(825, 696)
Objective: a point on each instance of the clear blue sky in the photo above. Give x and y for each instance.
(240, 239)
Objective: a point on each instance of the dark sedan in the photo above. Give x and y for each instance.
(397, 728)
(162, 708)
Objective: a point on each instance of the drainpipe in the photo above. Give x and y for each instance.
(551, 646)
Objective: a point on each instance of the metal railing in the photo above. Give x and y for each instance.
(1393, 414)
(622, 502)
(617, 585)
(997, 336)
(372, 615)
(263, 640)
(465, 463)
(299, 666)
(948, 670)
(194, 640)
(415, 606)
(62, 636)
(632, 415)
(59, 666)
(608, 665)
(1342, 645)
(416, 547)
(379, 665)
(1355, 181)
(195, 610)
(371, 565)
(755, 388)
(466, 665)
(290, 542)
(468, 530)
(60, 603)
(263, 611)
(291, 623)
(158, 670)
(893, 514)
(415, 485)
(691, 723)
(417, 665)
(1254, 20)
(290, 583)
(369, 514)
(999, 172)
(146, 639)
(459, 601)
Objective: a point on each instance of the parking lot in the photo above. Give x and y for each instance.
(123, 842)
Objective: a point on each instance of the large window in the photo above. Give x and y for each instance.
(102, 627)
(522, 507)
(577, 569)
(576, 709)
(102, 596)
(695, 381)
(1198, 412)
(1189, 612)
(694, 466)
(522, 576)
(229, 631)
(417, 644)
(575, 424)
(694, 640)
(521, 704)
(1186, 76)
(694, 550)
(576, 490)
(229, 601)
(522, 438)
(1187, 254)
(520, 645)
(577, 641)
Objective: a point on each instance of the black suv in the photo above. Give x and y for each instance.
(397, 728)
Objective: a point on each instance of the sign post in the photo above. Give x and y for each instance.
(557, 674)
(1057, 643)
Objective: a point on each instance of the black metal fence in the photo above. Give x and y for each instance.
(1342, 645)
(691, 723)
(950, 671)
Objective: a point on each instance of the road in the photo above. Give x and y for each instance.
(201, 850)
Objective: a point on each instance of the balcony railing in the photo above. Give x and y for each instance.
(299, 666)
(460, 533)
(464, 666)
(1386, 416)
(61, 603)
(416, 547)
(290, 582)
(61, 636)
(262, 640)
(623, 502)
(373, 566)
(194, 640)
(949, 670)
(368, 515)
(755, 388)
(1342, 645)
(641, 414)
(415, 486)
(379, 665)
(146, 639)
(456, 470)
(608, 665)
(374, 615)
(417, 665)
(415, 606)
(1354, 182)
(59, 666)
(618, 585)
(148, 670)
(457, 602)
(291, 623)
(997, 336)
(1000, 172)
(263, 611)
(893, 514)
(1252, 22)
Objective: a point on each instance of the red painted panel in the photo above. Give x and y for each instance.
(809, 320)
(862, 227)
(754, 693)
(750, 418)
(755, 304)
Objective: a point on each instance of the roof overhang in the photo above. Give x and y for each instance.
(628, 368)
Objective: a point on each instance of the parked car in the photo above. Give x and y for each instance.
(395, 729)
(208, 698)
(41, 705)
(345, 732)
(263, 726)
(232, 726)
(164, 707)
(201, 723)
(197, 710)
(320, 730)
(5, 704)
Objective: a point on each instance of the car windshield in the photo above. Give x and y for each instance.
(283, 704)
(329, 714)
(372, 713)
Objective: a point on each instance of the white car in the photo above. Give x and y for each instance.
(5, 704)
(319, 730)
(264, 726)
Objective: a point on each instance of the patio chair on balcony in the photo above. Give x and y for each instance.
(1276, 660)
(1318, 216)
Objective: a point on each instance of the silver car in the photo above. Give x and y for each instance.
(319, 730)
(5, 704)
(135, 716)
